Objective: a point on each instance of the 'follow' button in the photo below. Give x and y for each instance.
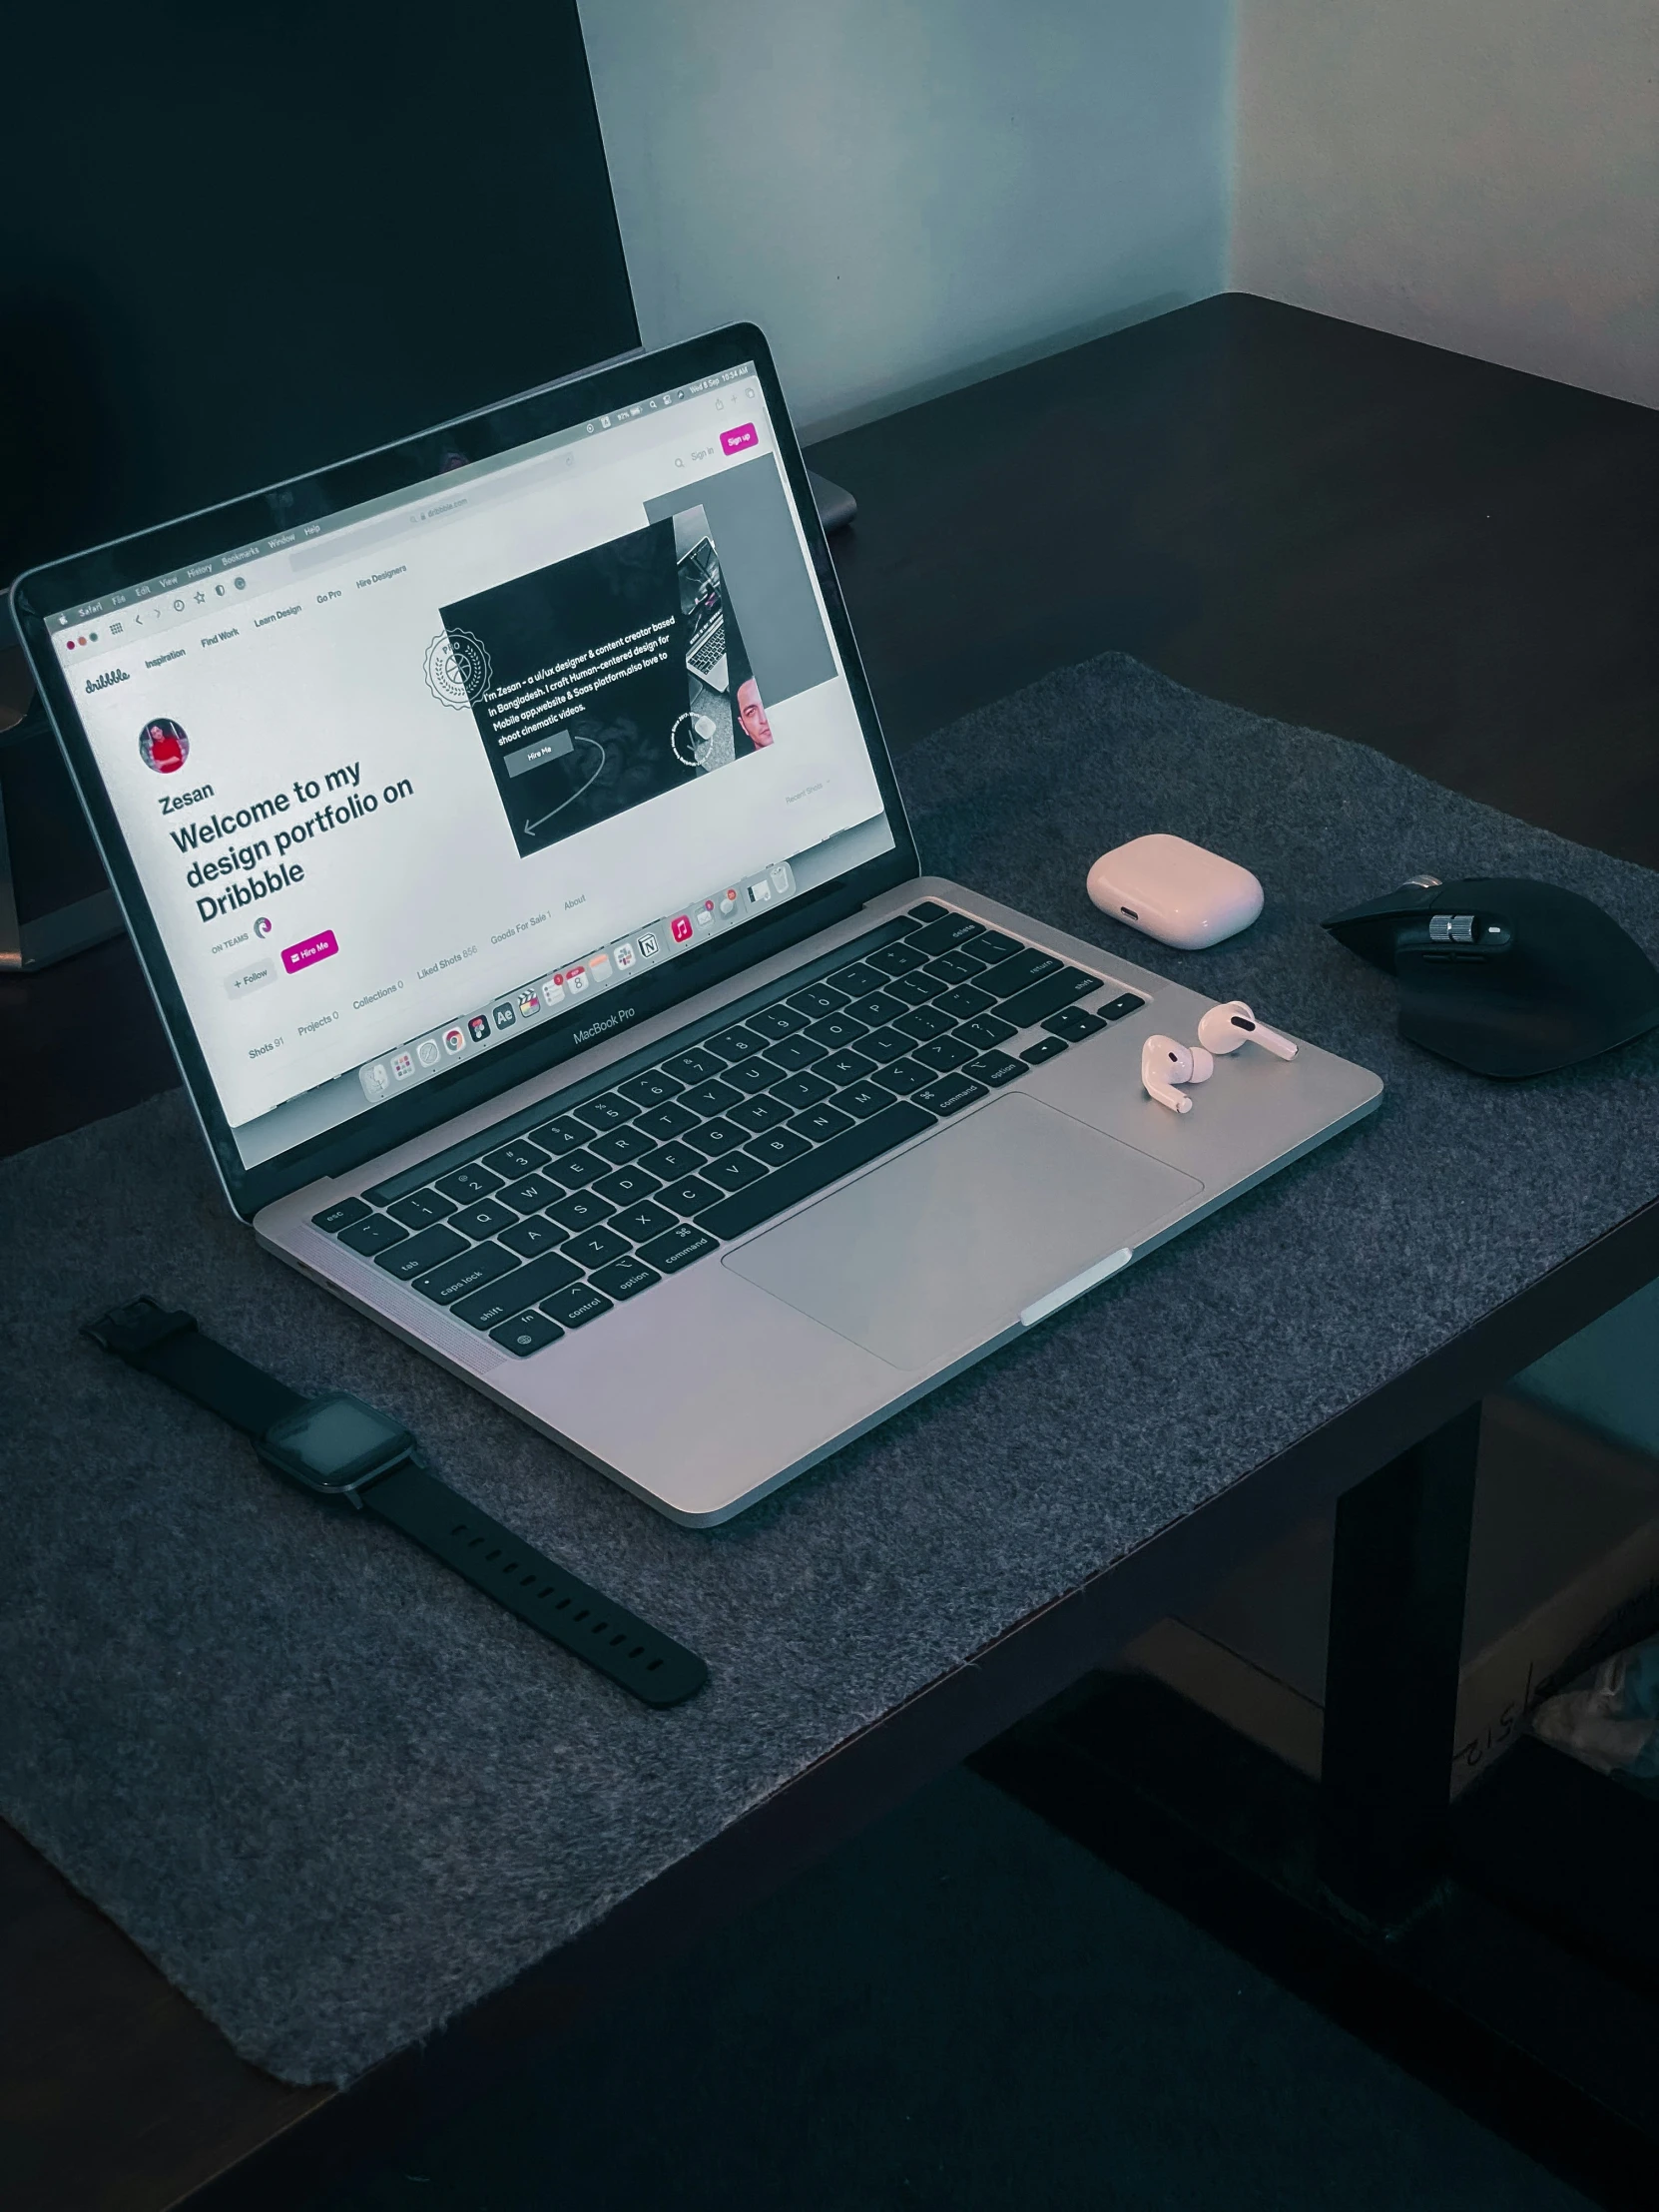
(311, 950)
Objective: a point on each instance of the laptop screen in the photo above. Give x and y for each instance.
(406, 782)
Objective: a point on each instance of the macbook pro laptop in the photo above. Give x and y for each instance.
(701, 603)
(641, 1080)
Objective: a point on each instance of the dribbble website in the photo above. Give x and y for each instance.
(412, 781)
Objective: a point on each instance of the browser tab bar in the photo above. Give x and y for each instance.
(628, 420)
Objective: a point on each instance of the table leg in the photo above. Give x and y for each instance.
(1394, 1645)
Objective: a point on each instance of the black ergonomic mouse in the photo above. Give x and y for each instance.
(1506, 975)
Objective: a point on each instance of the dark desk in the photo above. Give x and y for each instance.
(1447, 560)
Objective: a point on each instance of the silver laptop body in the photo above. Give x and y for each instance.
(639, 1080)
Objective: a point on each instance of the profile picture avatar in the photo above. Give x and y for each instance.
(164, 747)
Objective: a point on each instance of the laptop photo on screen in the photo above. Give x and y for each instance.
(508, 837)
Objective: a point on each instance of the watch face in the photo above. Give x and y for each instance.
(336, 1441)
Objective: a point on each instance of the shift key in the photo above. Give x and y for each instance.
(500, 1300)
(483, 1264)
(1039, 1000)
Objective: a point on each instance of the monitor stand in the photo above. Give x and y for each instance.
(835, 507)
(54, 896)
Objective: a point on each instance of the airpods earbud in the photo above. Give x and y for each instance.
(1225, 1029)
(1165, 1063)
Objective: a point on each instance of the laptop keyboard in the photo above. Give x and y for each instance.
(549, 1230)
(709, 649)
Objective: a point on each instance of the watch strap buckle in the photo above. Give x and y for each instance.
(132, 1330)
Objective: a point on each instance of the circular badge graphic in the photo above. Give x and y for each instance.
(458, 669)
(164, 747)
(691, 740)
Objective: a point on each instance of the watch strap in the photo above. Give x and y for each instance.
(549, 1597)
(169, 1346)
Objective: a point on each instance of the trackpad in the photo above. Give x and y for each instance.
(943, 1247)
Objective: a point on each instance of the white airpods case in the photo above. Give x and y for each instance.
(1175, 892)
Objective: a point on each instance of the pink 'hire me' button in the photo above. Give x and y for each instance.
(320, 948)
(736, 441)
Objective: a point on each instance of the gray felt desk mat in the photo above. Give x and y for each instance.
(335, 1794)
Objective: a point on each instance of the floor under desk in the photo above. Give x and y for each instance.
(1522, 1978)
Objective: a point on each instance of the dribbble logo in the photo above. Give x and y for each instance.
(457, 668)
(163, 747)
(263, 927)
(109, 677)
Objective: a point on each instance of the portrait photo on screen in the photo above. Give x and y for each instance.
(605, 679)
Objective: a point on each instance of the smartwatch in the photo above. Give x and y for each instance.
(339, 1449)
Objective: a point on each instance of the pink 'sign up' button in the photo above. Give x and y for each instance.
(739, 439)
(320, 948)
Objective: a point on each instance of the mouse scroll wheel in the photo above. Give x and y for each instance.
(1452, 928)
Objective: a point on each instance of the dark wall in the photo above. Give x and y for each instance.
(239, 242)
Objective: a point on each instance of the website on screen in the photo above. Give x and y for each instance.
(455, 762)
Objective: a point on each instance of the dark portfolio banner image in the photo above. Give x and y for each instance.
(624, 672)
(590, 680)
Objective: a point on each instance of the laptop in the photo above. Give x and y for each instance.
(701, 602)
(626, 1066)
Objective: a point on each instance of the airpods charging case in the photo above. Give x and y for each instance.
(1175, 892)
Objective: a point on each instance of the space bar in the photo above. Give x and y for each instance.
(855, 1148)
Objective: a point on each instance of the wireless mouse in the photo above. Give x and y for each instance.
(1504, 976)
